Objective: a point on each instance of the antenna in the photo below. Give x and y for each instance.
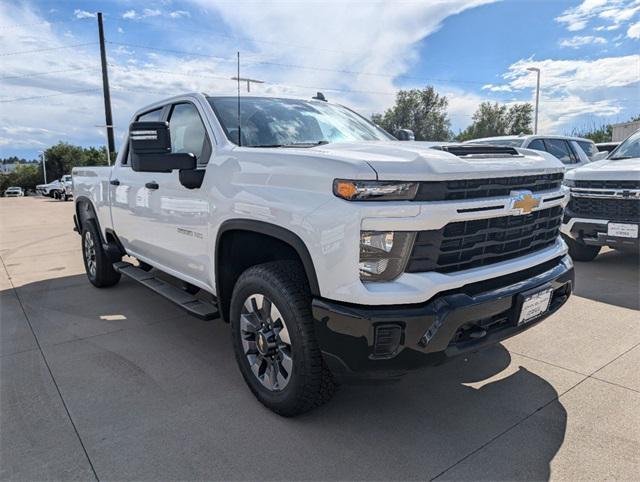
(239, 131)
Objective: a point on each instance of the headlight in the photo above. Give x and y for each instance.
(374, 190)
(384, 255)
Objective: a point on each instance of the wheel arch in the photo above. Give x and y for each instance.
(274, 236)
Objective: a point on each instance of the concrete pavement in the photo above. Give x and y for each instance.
(152, 393)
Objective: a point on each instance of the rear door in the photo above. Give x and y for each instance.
(131, 200)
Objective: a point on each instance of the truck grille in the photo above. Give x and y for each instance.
(609, 209)
(480, 242)
(608, 184)
(483, 188)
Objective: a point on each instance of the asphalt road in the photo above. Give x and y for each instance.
(119, 384)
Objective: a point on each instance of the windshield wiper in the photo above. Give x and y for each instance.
(617, 158)
(306, 144)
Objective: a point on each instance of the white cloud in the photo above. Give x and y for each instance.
(497, 88)
(574, 88)
(120, 30)
(148, 12)
(634, 31)
(581, 40)
(130, 14)
(83, 13)
(617, 12)
(179, 14)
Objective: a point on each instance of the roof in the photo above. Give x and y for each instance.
(531, 136)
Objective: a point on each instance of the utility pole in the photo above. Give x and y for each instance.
(536, 70)
(111, 146)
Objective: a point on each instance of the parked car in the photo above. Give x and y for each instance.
(334, 250)
(573, 152)
(59, 189)
(605, 203)
(607, 146)
(13, 191)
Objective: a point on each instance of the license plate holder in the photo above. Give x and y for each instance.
(622, 230)
(532, 304)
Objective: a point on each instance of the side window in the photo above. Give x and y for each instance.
(560, 149)
(537, 144)
(188, 134)
(153, 115)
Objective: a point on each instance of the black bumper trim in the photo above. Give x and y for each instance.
(441, 328)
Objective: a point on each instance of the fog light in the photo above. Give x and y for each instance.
(384, 254)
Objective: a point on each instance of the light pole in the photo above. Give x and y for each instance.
(44, 166)
(107, 132)
(537, 71)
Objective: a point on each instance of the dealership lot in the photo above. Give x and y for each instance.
(121, 384)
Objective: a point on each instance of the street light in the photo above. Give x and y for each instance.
(537, 71)
(44, 165)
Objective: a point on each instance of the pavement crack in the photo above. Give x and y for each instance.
(53, 379)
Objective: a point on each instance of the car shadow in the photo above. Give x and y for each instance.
(613, 278)
(155, 393)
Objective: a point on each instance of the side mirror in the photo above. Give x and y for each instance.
(600, 156)
(405, 135)
(150, 144)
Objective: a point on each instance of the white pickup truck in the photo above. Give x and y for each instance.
(605, 203)
(335, 251)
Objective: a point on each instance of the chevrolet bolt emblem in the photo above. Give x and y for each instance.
(524, 201)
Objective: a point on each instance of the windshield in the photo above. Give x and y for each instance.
(499, 142)
(269, 122)
(628, 149)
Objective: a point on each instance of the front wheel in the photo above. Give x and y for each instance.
(274, 339)
(580, 251)
(97, 264)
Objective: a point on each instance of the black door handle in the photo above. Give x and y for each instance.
(114, 182)
(151, 185)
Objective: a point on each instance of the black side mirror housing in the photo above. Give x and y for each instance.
(150, 144)
(405, 135)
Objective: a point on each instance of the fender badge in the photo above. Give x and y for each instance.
(524, 201)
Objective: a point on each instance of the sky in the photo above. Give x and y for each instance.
(358, 53)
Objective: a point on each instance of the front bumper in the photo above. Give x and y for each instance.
(593, 232)
(450, 324)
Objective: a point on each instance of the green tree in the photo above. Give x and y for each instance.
(498, 120)
(26, 176)
(423, 111)
(63, 157)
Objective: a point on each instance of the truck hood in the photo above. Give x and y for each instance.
(417, 161)
(620, 170)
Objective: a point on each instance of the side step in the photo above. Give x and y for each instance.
(198, 308)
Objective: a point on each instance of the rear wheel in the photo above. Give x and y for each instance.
(274, 339)
(97, 264)
(580, 251)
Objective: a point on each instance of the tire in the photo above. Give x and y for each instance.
(296, 380)
(97, 265)
(581, 252)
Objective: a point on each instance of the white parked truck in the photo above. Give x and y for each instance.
(605, 203)
(335, 251)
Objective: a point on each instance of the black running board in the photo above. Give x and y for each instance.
(198, 308)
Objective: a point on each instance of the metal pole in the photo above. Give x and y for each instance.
(535, 126)
(44, 166)
(111, 146)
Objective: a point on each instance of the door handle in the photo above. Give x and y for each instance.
(151, 185)
(114, 182)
